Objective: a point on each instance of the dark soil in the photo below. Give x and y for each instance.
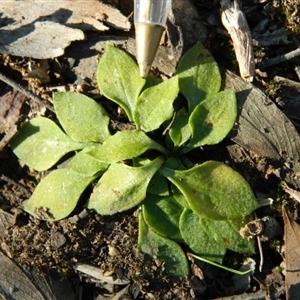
(110, 242)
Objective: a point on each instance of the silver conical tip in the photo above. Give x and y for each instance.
(144, 69)
(148, 37)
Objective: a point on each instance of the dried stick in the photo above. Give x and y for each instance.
(27, 93)
(13, 130)
(278, 59)
(236, 24)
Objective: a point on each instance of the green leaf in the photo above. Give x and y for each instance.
(226, 233)
(85, 165)
(214, 190)
(167, 251)
(198, 240)
(199, 75)
(179, 197)
(122, 187)
(158, 185)
(155, 105)
(83, 119)
(41, 143)
(119, 79)
(58, 193)
(180, 131)
(123, 145)
(162, 214)
(213, 119)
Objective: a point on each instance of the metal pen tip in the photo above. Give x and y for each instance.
(144, 69)
(148, 37)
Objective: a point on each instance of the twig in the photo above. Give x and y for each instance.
(297, 70)
(235, 22)
(261, 254)
(261, 262)
(170, 125)
(27, 93)
(8, 137)
(276, 60)
(219, 266)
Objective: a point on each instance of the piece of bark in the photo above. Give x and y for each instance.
(292, 254)
(6, 219)
(261, 126)
(11, 102)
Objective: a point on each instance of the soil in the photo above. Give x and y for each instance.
(110, 242)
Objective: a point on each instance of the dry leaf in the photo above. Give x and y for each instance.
(42, 29)
(39, 40)
(71, 12)
(262, 127)
(292, 254)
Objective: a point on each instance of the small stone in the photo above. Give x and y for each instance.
(57, 239)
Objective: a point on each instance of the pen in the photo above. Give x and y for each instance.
(150, 17)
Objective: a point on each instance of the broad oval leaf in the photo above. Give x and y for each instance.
(123, 145)
(119, 79)
(214, 190)
(122, 187)
(167, 251)
(41, 143)
(226, 233)
(199, 75)
(198, 240)
(162, 214)
(57, 194)
(155, 105)
(82, 118)
(213, 119)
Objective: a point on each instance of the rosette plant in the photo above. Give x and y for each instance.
(146, 166)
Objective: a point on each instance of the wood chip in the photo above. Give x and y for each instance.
(11, 102)
(99, 274)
